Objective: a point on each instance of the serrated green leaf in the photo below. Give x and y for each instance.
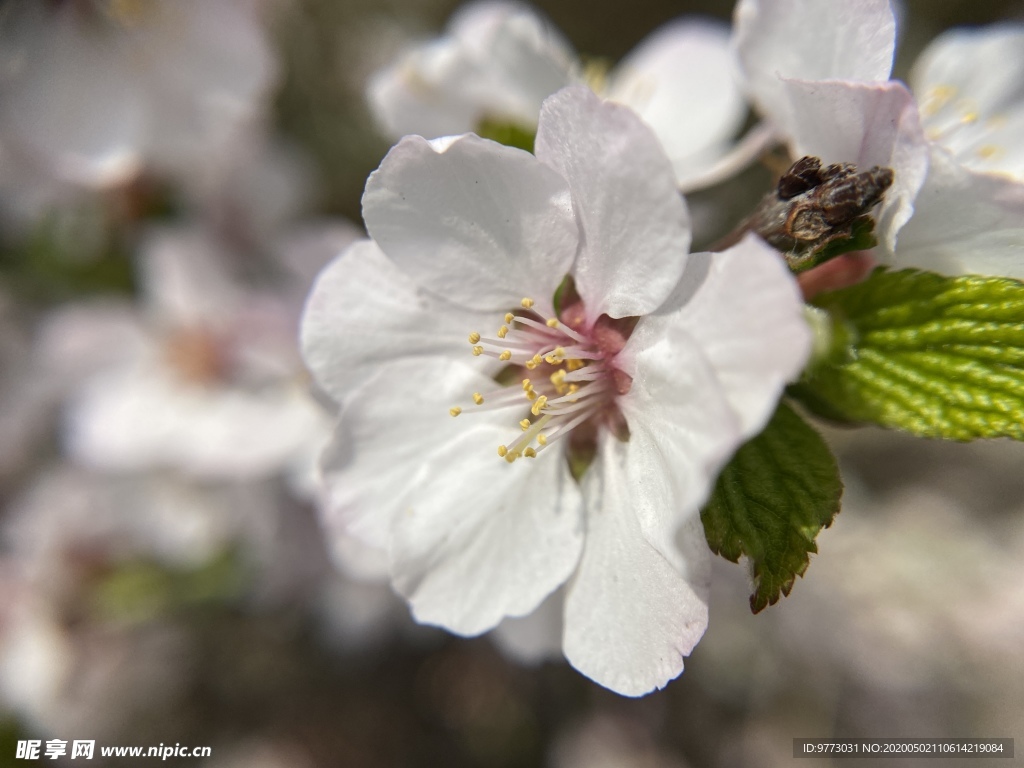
(507, 133)
(932, 355)
(770, 502)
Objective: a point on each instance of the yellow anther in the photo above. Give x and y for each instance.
(574, 388)
(542, 439)
(525, 424)
(478, 350)
(527, 303)
(969, 117)
(511, 456)
(538, 405)
(988, 151)
(574, 365)
(455, 411)
(474, 337)
(503, 332)
(527, 385)
(531, 364)
(506, 355)
(509, 317)
(531, 395)
(552, 322)
(478, 398)
(530, 453)
(558, 377)
(502, 450)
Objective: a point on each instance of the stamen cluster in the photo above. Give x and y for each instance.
(571, 378)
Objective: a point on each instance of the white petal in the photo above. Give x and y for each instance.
(432, 90)
(70, 101)
(526, 55)
(477, 223)
(810, 40)
(970, 83)
(184, 277)
(384, 443)
(636, 228)
(145, 418)
(866, 124)
(682, 425)
(363, 311)
(681, 81)
(631, 615)
(499, 60)
(472, 538)
(207, 68)
(745, 308)
(965, 222)
(481, 539)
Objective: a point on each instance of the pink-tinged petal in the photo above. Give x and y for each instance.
(635, 225)
(810, 40)
(682, 426)
(363, 312)
(745, 309)
(970, 83)
(631, 614)
(477, 223)
(867, 124)
(681, 80)
(965, 222)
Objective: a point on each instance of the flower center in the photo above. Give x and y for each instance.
(564, 375)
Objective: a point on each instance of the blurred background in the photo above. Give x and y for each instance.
(170, 184)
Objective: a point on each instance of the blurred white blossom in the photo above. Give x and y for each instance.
(204, 378)
(95, 92)
(500, 60)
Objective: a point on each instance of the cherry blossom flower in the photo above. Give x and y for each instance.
(818, 72)
(500, 60)
(650, 370)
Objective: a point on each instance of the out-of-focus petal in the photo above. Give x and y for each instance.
(499, 61)
(636, 228)
(965, 222)
(970, 84)
(631, 615)
(476, 223)
(681, 80)
(810, 40)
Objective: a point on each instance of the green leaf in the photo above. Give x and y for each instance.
(507, 133)
(780, 489)
(935, 356)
